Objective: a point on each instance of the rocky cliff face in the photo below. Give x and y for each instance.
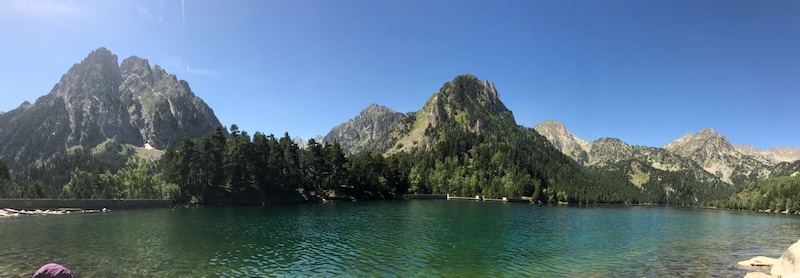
(718, 156)
(162, 108)
(98, 99)
(363, 132)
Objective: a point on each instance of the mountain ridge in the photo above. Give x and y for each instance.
(707, 149)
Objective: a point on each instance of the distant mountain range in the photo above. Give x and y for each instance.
(707, 155)
(99, 100)
(706, 151)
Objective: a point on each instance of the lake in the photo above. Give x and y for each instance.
(397, 238)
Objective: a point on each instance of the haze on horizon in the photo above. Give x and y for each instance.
(646, 72)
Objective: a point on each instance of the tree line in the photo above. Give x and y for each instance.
(240, 170)
(237, 169)
(776, 194)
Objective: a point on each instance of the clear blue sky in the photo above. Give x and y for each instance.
(646, 72)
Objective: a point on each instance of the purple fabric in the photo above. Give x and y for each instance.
(53, 270)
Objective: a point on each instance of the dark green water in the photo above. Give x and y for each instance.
(396, 238)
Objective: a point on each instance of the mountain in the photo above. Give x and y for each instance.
(467, 101)
(718, 156)
(363, 133)
(303, 144)
(464, 141)
(770, 156)
(606, 151)
(565, 141)
(706, 151)
(612, 153)
(99, 100)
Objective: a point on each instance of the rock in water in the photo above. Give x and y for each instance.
(757, 262)
(758, 275)
(789, 262)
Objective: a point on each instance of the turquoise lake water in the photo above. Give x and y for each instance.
(417, 238)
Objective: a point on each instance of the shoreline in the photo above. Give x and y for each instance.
(10, 212)
(17, 207)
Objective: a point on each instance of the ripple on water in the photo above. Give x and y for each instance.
(413, 238)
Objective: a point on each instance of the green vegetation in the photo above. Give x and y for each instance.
(236, 170)
(775, 194)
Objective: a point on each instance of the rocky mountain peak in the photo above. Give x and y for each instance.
(100, 56)
(362, 132)
(95, 74)
(709, 133)
(551, 125)
(135, 65)
(467, 90)
(473, 103)
(609, 150)
(376, 109)
(96, 100)
(718, 156)
(706, 140)
(561, 138)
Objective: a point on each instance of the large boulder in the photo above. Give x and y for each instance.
(789, 262)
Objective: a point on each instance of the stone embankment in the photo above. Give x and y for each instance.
(13, 207)
(14, 212)
(787, 266)
(424, 196)
(452, 197)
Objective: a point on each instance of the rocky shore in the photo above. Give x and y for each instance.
(787, 266)
(7, 212)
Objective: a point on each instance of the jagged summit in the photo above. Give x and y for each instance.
(718, 156)
(364, 131)
(97, 74)
(705, 140)
(375, 108)
(134, 65)
(96, 100)
(465, 94)
(708, 132)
